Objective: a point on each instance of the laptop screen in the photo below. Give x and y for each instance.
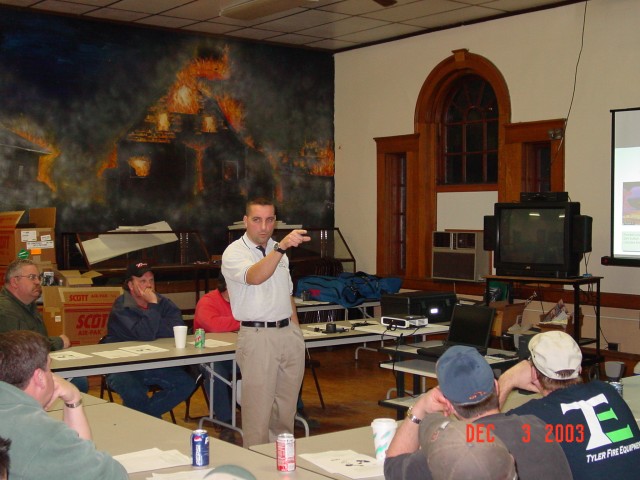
(471, 325)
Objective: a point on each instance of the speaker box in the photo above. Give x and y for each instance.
(459, 255)
(582, 225)
(489, 233)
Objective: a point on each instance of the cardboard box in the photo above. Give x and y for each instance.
(79, 313)
(73, 278)
(506, 316)
(38, 238)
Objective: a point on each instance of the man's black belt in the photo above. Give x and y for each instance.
(277, 324)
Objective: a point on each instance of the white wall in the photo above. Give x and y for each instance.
(377, 88)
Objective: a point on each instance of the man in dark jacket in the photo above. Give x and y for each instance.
(141, 314)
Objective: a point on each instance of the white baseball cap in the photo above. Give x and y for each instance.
(555, 351)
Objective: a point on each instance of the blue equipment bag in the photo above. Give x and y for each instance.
(347, 289)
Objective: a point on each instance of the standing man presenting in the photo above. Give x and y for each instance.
(270, 349)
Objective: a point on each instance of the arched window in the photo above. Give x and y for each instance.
(463, 141)
(469, 150)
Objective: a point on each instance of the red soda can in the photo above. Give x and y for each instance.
(286, 452)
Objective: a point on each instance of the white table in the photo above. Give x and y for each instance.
(87, 400)
(420, 369)
(357, 439)
(172, 357)
(631, 394)
(118, 430)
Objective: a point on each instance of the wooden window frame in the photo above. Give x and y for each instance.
(421, 150)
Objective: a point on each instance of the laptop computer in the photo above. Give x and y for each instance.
(470, 326)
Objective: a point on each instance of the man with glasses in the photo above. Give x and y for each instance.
(18, 311)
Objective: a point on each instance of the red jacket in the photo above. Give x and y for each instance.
(213, 314)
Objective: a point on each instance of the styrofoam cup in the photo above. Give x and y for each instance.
(383, 431)
(180, 336)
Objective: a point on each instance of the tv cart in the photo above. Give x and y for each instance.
(576, 283)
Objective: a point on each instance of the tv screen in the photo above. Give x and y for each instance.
(532, 235)
(537, 239)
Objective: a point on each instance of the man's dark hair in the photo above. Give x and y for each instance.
(4, 457)
(477, 409)
(262, 201)
(552, 384)
(22, 352)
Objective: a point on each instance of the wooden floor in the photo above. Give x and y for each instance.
(351, 390)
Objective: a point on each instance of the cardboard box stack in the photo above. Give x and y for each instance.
(81, 313)
(37, 237)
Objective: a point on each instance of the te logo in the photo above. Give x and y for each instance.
(480, 433)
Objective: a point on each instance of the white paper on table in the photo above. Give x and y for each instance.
(346, 462)
(186, 475)
(211, 343)
(142, 349)
(67, 355)
(152, 459)
(115, 354)
(310, 333)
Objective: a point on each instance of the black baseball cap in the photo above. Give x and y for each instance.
(137, 269)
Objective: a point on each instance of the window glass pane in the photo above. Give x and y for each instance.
(474, 138)
(454, 114)
(492, 167)
(474, 115)
(471, 130)
(454, 139)
(475, 171)
(454, 170)
(492, 135)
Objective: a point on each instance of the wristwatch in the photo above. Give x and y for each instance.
(73, 405)
(277, 248)
(411, 417)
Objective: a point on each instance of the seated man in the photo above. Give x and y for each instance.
(144, 315)
(600, 436)
(42, 447)
(468, 391)
(451, 453)
(18, 309)
(213, 314)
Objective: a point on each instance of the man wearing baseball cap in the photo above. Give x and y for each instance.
(467, 391)
(452, 455)
(142, 314)
(591, 421)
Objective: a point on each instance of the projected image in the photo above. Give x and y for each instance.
(631, 203)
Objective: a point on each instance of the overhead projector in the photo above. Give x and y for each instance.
(404, 321)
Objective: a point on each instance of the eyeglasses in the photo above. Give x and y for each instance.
(32, 276)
